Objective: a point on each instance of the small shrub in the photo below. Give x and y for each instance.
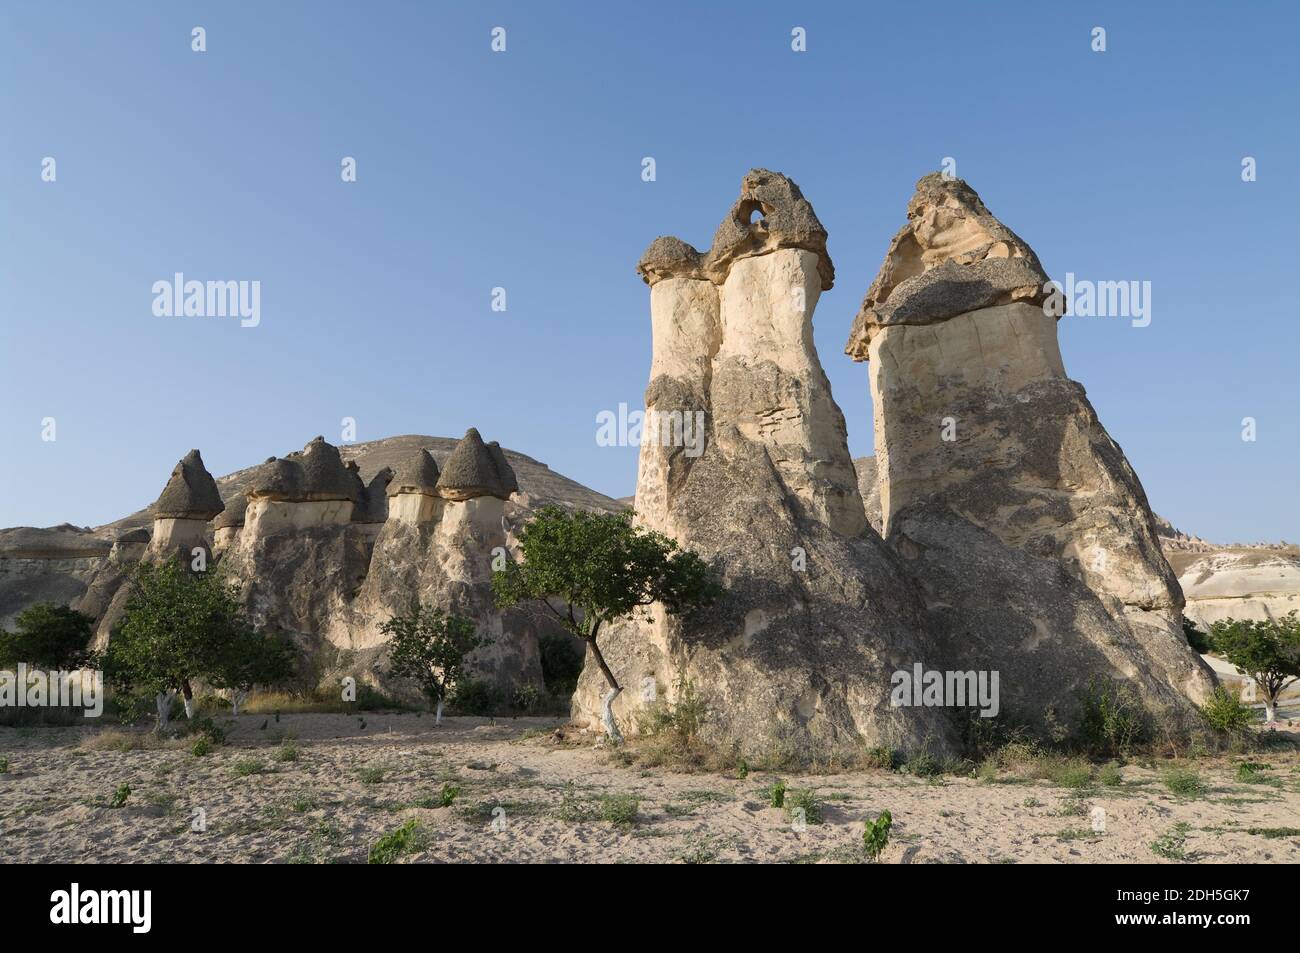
(371, 775)
(1184, 782)
(1226, 713)
(1031, 802)
(201, 747)
(776, 793)
(286, 752)
(922, 765)
(406, 839)
(742, 768)
(1074, 773)
(1110, 775)
(4, 765)
(473, 696)
(1250, 772)
(620, 809)
(876, 835)
(1172, 846)
(448, 794)
(803, 800)
(1274, 832)
(246, 766)
(120, 795)
(1112, 719)
(880, 758)
(526, 697)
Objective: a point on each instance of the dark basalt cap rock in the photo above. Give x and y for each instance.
(279, 478)
(952, 256)
(372, 506)
(419, 474)
(669, 257)
(325, 477)
(786, 220)
(234, 513)
(133, 537)
(470, 471)
(190, 493)
(505, 472)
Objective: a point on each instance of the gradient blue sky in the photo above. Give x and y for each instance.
(522, 170)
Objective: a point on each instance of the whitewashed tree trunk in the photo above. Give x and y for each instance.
(189, 707)
(163, 703)
(437, 716)
(1270, 709)
(237, 698)
(607, 716)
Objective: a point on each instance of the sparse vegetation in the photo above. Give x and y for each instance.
(875, 836)
(371, 775)
(408, 838)
(1112, 720)
(1172, 845)
(803, 804)
(776, 794)
(120, 796)
(430, 647)
(1184, 781)
(1226, 713)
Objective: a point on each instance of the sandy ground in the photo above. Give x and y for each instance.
(326, 806)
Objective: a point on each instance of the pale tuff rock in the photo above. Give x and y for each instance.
(869, 488)
(1025, 526)
(1241, 584)
(796, 659)
(950, 258)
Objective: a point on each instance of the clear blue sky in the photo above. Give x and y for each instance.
(522, 170)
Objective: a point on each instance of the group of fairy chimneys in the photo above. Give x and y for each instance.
(315, 488)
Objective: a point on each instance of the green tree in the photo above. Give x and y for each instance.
(1267, 650)
(430, 646)
(590, 569)
(49, 636)
(250, 658)
(177, 627)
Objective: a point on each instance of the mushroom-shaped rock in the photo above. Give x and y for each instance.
(952, 257)
(785, 220)
(418, 474)
(470, 471)
(232, 517)
(324, 475)
(505, 472)
(190, 493)
(372, 505)
(669, 257)
(279, 478)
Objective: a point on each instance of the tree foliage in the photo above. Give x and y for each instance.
(179, 627)
(430, 647)
(49, 636)
(1268, 650)
(590, 569)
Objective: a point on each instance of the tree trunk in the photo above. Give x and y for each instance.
(607, 703)
(163, 703)
(607, 716)
(1270, 708)
(437, 715)
(189, 698)
(236, 699)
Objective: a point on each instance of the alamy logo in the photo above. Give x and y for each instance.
(935, 689)
(103, 906)
(1099, 299)
(672, 428)
(179, 298)
(33, 688)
